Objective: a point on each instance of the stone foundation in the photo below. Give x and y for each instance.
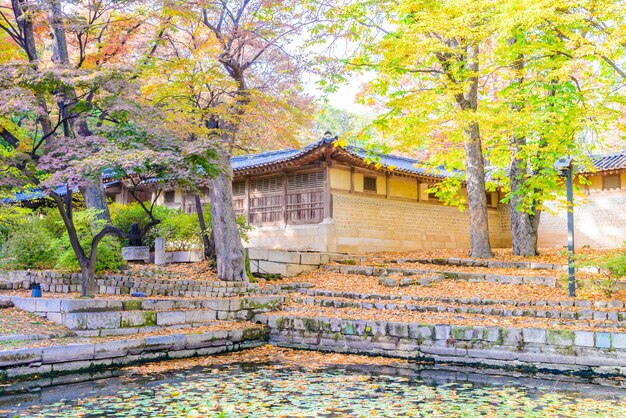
(580, 352)
(99, 314)
(61, 282)
(25, 362)
(285, 263)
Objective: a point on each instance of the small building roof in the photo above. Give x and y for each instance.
(609, 162)
(289, 156)
(387, 161)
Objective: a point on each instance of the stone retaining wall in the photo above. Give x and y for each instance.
(566, 314)
(97, 314)
(24, 362)
(470, 277)
(285, 263)
(60, 282)
(547, 350)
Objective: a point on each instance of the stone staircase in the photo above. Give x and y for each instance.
(435, 274)
(106, 317)
(528, 332)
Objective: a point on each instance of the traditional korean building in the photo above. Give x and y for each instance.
(325, 197)
(331, 198)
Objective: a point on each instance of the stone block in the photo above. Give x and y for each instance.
(618, 340)
(119, 348)
(99, 320)
(258, 253)
(583, 338)
(75, 320)
(20, 356)
(288, 257)
(398, 329)
(48, 305)
(200, 316)
(160, 342)
(272, 267)
(26, 304)
(442, 332)
(87, 305)
(23, 371)
(70, 352)
(560, 337)
(199, 340)
(420, 332)
(136, 318)
(511, 336)
(72, 366)
(311, 259)
(534, 335)
(170, 317)
(603, 340)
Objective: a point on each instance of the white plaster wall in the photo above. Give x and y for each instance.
(316, 237)
(599, 221)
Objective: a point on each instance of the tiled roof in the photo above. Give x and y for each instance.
(245, 162)
(608, 162)
(400, 164)
(34, 194)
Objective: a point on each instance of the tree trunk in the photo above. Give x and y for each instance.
(95, 198)
(524, 226)
(477, 196)
(88, 287)
(209, 250)
(480, 246)
(228, 247)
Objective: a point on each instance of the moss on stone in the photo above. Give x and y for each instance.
(131, 305)
(149, 318)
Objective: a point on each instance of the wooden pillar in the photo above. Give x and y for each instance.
(387, 188)
(246, 199)
(423, 194)
(417, 184)
(285, 197)
(352, 179)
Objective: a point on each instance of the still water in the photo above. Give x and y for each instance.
(275, 390)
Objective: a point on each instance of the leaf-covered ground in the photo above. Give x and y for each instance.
(15, 321)
(546, 255)
(270, 382)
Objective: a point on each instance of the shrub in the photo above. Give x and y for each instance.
(11, 217)
(109, 249)
(612, 268)
(180, 231)
(29, 245)
(123, 216)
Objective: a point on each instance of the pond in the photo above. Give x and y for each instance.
(275, 390)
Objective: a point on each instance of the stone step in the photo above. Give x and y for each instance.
(580, 303)
(543, 349)
(599, 318)
(89, 355)
(471, 262)
(108, 332)
(93, 314)
(428, 274)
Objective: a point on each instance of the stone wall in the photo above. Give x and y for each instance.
(285, 263)
(25, 362)
(541, 349)
(60, 282)
(369, 224)
(599, 221)
(103, 314)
